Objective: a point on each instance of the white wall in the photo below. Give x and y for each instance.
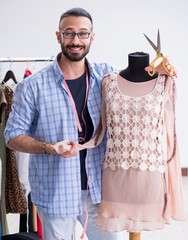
(27, 29)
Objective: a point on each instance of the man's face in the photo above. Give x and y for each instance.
(75, 48)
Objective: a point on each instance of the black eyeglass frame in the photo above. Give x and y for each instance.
(81, 35)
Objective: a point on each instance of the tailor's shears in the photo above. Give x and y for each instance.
(159, 57)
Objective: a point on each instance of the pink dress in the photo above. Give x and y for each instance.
(141, 183)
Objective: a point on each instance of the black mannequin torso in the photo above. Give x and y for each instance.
(135, 71)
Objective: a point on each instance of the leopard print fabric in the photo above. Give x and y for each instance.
(14, 195)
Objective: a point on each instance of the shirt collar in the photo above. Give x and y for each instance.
(59, 73)
(90, 70)
(57, 70)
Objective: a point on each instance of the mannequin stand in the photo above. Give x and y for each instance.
(135, 236)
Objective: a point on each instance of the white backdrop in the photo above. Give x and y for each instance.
(27, 29)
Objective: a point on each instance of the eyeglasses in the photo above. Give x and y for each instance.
(71, 35)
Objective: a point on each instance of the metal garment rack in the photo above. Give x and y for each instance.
(36, 59)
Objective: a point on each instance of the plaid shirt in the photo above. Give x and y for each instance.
(42, 109)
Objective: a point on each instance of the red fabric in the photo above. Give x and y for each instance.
(27, 73)
(39, 227)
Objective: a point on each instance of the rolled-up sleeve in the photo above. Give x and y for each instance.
(22, 112)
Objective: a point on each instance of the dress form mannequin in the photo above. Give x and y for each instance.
(134, 82)
(135, 71)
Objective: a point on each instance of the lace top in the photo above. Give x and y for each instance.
(135, 128)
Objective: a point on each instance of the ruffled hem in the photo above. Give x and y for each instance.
(116, 217)
(121, 224)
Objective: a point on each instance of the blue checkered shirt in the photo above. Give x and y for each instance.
(42, 109)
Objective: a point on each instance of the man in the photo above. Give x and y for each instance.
(61, 102)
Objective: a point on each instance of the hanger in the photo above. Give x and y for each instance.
(9, 75)
(27, 71)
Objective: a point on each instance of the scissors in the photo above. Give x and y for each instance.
(159, 57)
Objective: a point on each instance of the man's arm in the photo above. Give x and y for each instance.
(25, 143)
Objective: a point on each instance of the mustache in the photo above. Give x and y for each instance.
(75, 46)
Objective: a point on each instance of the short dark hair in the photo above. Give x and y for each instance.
(76, 12)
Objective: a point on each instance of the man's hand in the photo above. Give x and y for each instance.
(66, 148)
(168, 70)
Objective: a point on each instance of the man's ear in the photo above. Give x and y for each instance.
(92, 36)
(58, 35)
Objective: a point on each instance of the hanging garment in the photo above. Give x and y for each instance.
(0, 197)
(22, 161)
(39, 227)
(3, 104)
(14, 195)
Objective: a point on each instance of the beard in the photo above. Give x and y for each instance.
(75, 57)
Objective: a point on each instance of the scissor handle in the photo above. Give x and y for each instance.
(154, 62)
(152, 72)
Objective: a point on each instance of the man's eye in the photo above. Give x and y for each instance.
(82, 34)
(69, 34)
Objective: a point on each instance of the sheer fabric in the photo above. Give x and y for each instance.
(141, 184)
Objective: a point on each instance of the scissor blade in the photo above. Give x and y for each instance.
(152, 44)
(158, 41)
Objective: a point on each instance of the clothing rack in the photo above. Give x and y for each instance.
(36, 59)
